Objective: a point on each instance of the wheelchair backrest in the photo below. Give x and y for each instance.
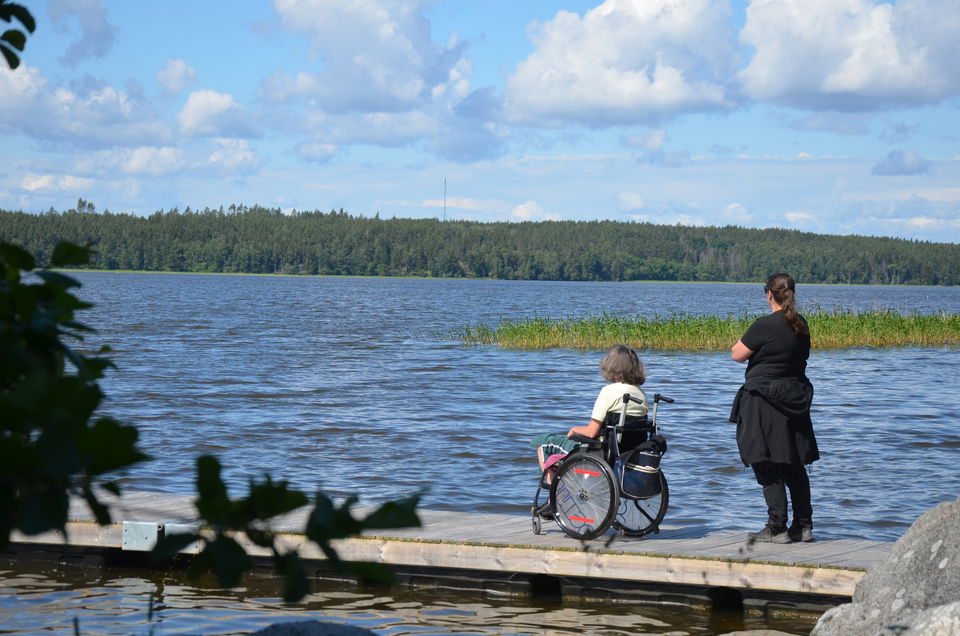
(636, 430)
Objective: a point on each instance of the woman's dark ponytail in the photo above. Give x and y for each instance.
(783, 289)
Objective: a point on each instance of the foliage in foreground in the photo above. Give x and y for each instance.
(13, 40)
(829, 330)
(52, 447)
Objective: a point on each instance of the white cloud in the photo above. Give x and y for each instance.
(649, 140)
(380, 129)
(176, 76)
(97, 36)
(902, 162)
(531, 211)
(208, 113)
(316, 152)
(89, 113)
(912, 216)
(462, 203)
(54, 183)
(630, 201)
(798, 217)
(833, 122)
(852, 55)
(378, 56)
(154, 162)
(383, 81)
(736, 213)
(34, 182)
(625, 62)
(232, 157)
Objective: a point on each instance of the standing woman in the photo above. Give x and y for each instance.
(772, 412)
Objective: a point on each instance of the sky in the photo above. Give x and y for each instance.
(830, 116)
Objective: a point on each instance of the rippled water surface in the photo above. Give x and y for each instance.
(124, 601)
(357, 386)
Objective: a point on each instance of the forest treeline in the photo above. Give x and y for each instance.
(263, 240)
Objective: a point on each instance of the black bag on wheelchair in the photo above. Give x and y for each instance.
(639, 469)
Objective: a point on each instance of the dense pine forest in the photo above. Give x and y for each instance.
(261, 240)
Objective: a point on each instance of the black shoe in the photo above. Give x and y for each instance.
(768, 536)
(804, 534)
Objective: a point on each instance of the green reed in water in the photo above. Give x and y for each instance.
(828, 330)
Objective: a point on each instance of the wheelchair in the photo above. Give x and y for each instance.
(613, 479)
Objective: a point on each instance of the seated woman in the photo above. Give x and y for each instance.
(621, 367)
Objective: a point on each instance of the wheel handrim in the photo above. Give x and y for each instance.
(583, 499)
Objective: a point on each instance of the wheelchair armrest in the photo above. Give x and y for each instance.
(588, 441)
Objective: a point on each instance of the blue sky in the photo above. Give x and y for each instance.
(835, 116)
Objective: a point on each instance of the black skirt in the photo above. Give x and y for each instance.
(773, 421)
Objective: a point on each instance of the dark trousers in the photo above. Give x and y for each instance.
(776, 479)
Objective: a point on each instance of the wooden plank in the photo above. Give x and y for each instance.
(502, 542)
(662, 569)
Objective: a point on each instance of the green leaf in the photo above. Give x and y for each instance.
(267, 500)
(262, 538)
(9, 10)
(395, 514)
(112, 487)
(108, 445)
(69, 254)
(42, 511)
(228, 560)
(16, 39)
(13, 60)
(295, 584)
(14, 254)
(212, 502)
(60, 280)
(100, 512)
(378, 573)
(327, 521)
(170, 545)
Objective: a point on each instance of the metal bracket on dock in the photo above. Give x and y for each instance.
(142, 536)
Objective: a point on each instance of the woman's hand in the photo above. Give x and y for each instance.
(588, 430)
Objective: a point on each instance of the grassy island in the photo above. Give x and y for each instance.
(829, 330)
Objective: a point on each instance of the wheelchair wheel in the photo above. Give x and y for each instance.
(584, 496)
(638, 517)
(537, 524)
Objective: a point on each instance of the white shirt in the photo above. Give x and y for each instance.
(611, 399)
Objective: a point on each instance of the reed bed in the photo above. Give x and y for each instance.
(828, 330)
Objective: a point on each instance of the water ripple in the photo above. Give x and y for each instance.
(352, 385)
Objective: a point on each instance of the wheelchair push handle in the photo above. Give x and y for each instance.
(656, 398)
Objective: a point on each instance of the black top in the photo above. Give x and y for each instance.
(772, 408)
(777, 350)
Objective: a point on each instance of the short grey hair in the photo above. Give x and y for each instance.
(622, 364)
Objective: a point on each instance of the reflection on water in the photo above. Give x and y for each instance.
(117, 601)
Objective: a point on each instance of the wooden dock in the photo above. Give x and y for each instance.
(503, 547)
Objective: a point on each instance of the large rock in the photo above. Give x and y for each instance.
(916, 588)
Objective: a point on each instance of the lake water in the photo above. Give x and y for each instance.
(356, 386)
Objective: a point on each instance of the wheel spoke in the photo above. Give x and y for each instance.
(637, 517)
(584, 497)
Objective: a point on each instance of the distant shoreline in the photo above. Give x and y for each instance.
(466, 279)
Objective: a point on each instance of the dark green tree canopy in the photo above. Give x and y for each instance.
(264, 240)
